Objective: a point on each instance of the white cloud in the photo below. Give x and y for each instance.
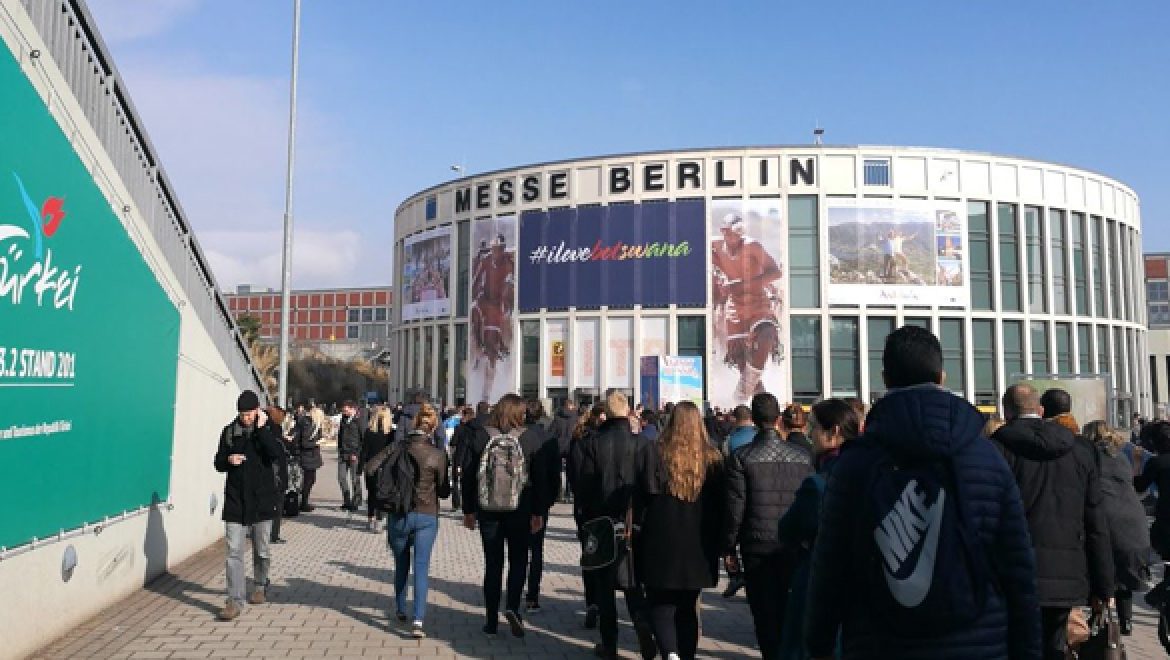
(128, 20)
(321, 258)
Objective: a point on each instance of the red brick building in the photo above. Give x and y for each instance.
(321, 315)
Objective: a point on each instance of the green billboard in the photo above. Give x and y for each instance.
(88, 338)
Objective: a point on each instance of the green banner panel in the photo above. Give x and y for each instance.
(88, 338)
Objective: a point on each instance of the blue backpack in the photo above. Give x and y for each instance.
(927, 573)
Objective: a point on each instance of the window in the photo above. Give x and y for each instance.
(1040, 363)
(877, 171)
(1117, 284)
(692, 331)
(460, 363)
(530, 359)
(444, 360)
(803, 253)
(1098, 272)
(428, 360)
(951, 338)
(1009, 258)
(1157, 291)
(1056, 241)
(1084, 349)
(918, 321)
(463, 240)
(1118, 355)
(876, 329)
(354, 315)
(1064, 358)
(367, 315)
(1034, 239)
(432, 208)
(1103, 350)
(351, 332)
(380, 314)
(979, 239)
(844, 358)
(1159, 315)
(806, 358)
(1080, 276)
(1154, 378)
(983, 354)
(1013, 351)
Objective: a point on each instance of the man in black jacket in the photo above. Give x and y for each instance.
(762, 479)
(562, 428)
(467, 429)
(606, 476)
(1058, 480)
(349, 447)
(247, 452)
(511, 529)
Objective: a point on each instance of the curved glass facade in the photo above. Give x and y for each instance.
(782, 267)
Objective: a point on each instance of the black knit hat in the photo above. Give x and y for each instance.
(247, 401)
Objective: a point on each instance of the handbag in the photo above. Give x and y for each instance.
(1104, 642)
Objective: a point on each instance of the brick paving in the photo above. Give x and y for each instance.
(332, 587)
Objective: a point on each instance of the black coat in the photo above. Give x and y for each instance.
(914, 423)
(1157, 473)
(606, 470)
(562, 428)
(1129, 535)
(762, 479)
(372, 443)
(306, 439)
(249, 492)
(349, 437)
(534, 499)
(1061, 491)
(678, 546)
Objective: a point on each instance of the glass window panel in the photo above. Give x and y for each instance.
(1009, 257)
(1098, 272)
(1056, 239)
(1084, 349)
(529, 359)
(444, 360)
(462, 286)
(1040, 363)
(380, 314)
(1013, 351)
(354, 315)
(844, 356)
(692, 331)
(351, 332)
(1118, 354)
(951, 338)
(983, 357)
(877, 329)
(367, 315)
(428, 360)
(806, 358)
(1034, 239)
(1116, 283)
(979, 239)
(919, 321)
(803, 252)
(1064, 357)
(877, 171)
(460, 363)
(1103, 350)
(1080, 275)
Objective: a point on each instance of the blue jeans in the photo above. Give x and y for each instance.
(417, 530)
(237, 580)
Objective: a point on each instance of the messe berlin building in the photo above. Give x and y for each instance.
(782, 268)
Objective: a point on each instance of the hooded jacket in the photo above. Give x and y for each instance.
(921, 423)
(1058, 479)
(562, 428)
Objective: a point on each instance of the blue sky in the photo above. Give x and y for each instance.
(392, 93)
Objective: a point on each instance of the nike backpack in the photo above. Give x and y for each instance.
(396, 479)
(926, 572)
(503, 472)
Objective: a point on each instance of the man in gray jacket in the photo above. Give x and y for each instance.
(349, 447)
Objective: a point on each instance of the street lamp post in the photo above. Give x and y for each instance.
(286, 259)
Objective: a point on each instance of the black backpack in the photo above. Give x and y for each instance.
(397, 477)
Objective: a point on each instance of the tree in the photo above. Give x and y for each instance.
(249, 328)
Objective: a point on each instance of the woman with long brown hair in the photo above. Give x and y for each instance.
(681, 498)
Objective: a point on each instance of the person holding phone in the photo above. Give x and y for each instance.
(248, 450)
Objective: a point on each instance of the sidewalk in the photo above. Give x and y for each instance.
(332, 588)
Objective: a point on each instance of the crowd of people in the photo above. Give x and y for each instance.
(912, 530)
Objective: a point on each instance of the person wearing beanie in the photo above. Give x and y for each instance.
(248, 451)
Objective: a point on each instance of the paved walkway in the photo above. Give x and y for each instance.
(331, 590)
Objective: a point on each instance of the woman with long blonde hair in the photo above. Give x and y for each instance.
(681, 500)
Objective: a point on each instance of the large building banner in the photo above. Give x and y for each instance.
(897, 251)
(89, 340)
(426, 274)
(619, 255)
(749, 317)
(492, 349)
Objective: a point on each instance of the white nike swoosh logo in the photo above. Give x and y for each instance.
(904, 527)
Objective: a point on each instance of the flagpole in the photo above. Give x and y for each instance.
(286, 260)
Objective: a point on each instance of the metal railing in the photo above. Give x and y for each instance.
(67, 29)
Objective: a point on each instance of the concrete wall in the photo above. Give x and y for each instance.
(36, 603)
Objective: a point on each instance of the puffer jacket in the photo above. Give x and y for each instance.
(921, 423)
(762, 479)
(1056, 472)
